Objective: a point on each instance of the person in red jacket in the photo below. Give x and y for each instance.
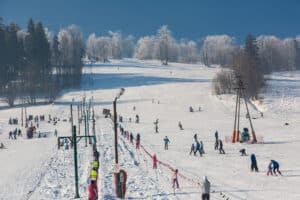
(92, 191)
(154, 159)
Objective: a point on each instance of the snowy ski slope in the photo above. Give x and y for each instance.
(36, 170)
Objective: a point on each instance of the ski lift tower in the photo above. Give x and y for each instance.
(240, 93)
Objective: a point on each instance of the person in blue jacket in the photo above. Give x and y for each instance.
(253, 163)
(275, 166)
(166, 141)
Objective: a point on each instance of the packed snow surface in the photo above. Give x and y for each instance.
(34, 169)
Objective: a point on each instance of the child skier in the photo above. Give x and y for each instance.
(166, 141)
(269, 169)
(275, 166)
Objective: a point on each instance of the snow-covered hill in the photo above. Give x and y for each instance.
(35, 169)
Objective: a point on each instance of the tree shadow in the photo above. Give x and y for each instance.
(118, 80)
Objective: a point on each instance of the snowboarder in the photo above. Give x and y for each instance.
(180, 126)
(154, 159)
(253, 163)
(205, 188)
(221, 150)
(275, 166)
(175, 179)
(243, 152)
(92, 190)
(166, 141)
(137, 142)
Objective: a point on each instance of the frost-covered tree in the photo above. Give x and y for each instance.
(217, 49)
(187, 52)
(105, 49)
(145, 48)
(164, 40)
(128, 46)
(116, 44)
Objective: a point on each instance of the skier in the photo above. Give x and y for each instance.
(180, 126)
(131, 138)
(253, 162)
(269, 169)
(19, 133)
(2, 146)
(166, 141)
(93, 174)
(10, 135)
(201, 148)
(205, 188)
(216, 145)
(55, 133)
(154, 159)
(92, 190)
(216, 135)
(197, 147)
(191, 109)
(96, 155)
(96, 164)
(15, 133)
(175, 179)
(156, 126)
(138, 140)
(195, 137)
(275, 166)
(137, 119)
(192, 149)
(221, 150)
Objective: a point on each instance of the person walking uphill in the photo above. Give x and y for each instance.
(253, 163)
(92, 190)
(166, 141)
(154, 159)
(205, 188)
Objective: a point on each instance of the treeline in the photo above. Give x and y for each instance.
(162, 46)
(36, 65)
(274, 54)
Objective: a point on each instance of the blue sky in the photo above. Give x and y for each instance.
(192, 19)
